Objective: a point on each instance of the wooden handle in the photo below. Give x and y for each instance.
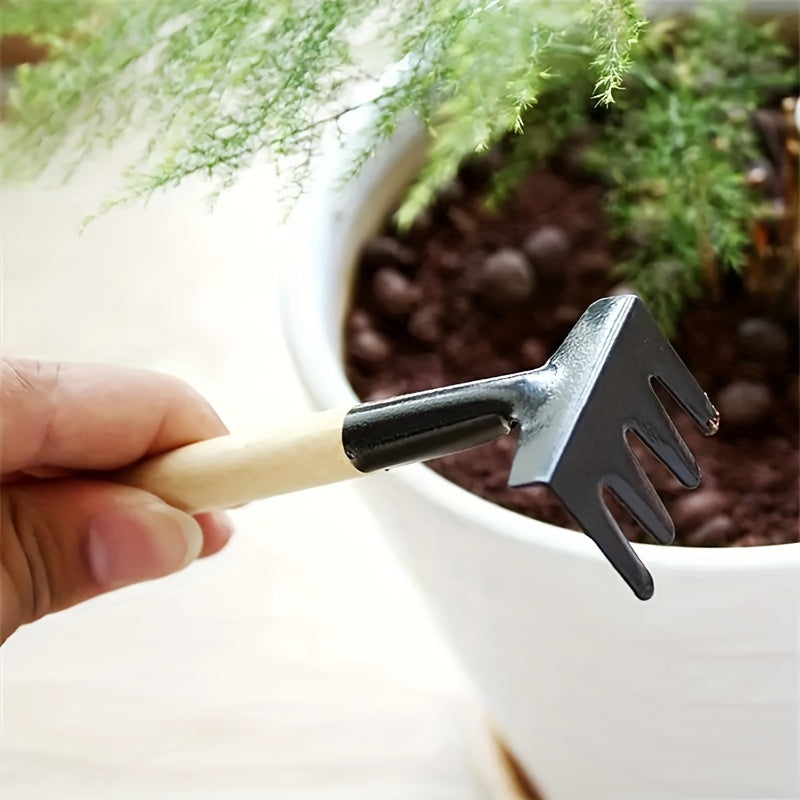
(232, 470)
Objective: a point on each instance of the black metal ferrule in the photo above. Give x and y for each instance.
(433, 423)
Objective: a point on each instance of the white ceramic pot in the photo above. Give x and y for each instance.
(692, 695)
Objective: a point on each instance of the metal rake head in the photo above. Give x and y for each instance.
(599, 386)
(573, 415)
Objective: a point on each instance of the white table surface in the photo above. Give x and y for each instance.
(298, 663)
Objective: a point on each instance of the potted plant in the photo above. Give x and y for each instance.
(693, 694)
(570, 669)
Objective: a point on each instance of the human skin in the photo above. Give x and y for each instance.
(67, 532)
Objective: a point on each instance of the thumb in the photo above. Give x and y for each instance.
(67, 541)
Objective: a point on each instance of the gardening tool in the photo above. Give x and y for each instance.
(572, 415)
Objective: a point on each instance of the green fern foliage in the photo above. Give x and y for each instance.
(46, 18)
(677, 148)
(215, 84)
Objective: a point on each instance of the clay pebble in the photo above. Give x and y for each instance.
(548, 249)
(425, 324)
(505, 279)
(384, 250)
(394, 294)
(690, 510)
(714, 532)
(762, 339)
(369, 346)
(744, 403)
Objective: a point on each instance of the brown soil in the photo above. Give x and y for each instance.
(16, 50)
(428, 311)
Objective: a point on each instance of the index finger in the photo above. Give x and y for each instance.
(93, 416)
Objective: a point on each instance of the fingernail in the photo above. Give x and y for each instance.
(133, 543)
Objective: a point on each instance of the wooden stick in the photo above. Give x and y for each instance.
(232, 470)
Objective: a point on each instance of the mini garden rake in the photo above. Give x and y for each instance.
(572, 415)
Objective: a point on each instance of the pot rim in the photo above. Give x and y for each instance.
(331, 209)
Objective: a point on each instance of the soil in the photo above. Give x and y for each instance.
(16, 50)
(468, 294)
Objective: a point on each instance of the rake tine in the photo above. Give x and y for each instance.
(597, 522)
(681, 384)
(652, 425)
(633, 489)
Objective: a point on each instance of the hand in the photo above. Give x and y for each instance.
(67, 535)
